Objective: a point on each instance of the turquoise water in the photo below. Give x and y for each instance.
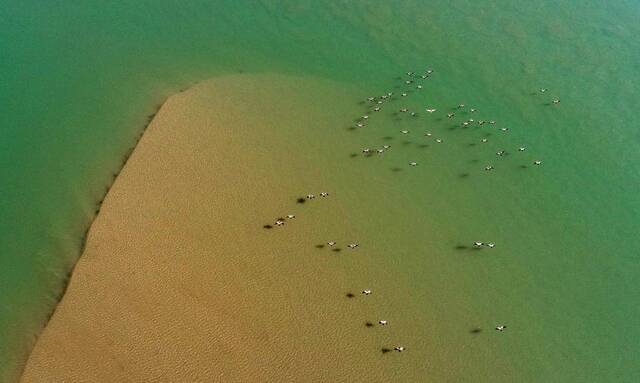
(79, 80)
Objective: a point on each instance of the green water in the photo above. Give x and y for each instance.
(79, 80)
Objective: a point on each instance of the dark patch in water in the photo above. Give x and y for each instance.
(267, 227)
(368, 324)
(336, 250)
(475, 331)
(350, 295)
(464, 175)
(385, 350)
(301, 200)
(321, 246)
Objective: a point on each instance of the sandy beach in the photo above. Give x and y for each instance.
(180, 281)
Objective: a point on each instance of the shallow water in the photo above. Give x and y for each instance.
(80, 80)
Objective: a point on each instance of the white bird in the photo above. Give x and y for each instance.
(484, 140)
(522, 149)
(438, 140)
(352, 245)
(413, 163)
(331, 243)
(537, 162)
(366, 150)
(430, 110)
(404, 95)
(419, 87)
(291, 216)
(489, 168)
(478, 244)
(279, 222)
(501, 327)
(404, 131)
(366, 292)
(386, 146)
(491, 245)
(324, 194)
(450, 115)
(399, 348)
(310, 196)
(383, 322)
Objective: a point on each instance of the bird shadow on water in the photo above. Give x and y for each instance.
(385, 350)
(475, 331)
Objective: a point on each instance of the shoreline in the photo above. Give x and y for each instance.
(83, 239)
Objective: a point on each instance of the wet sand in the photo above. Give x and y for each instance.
(180, 281)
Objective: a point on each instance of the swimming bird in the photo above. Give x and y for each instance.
(419, 87)
(491, 245)
(404, 95)
(427, 134)
(408, 82)
(359, 125)
(429, 71)
(413, 163)
(310, 196)
(366, 292)
(376, 109)
(383, 322)
(404, 131)
(484, 140)
(324, 194)
(430, 110)
(501, 327)
(386, 146)
(489, 167)
(492, 122)
(331, 243)
(404, 110)
(472, 110)
(380, 151)
(504, 129)
(370, 98)
(366, 150)
(365, 117)
(413, 114)
(542, 90)
(352, 245)
(537, 162)
(279, 222)
(556, 101)
(460, 106)
(291, 216)
(478, 244)
(450, 115)
(399, 348)
(500, 153)
(438, 140)
(522, 149)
